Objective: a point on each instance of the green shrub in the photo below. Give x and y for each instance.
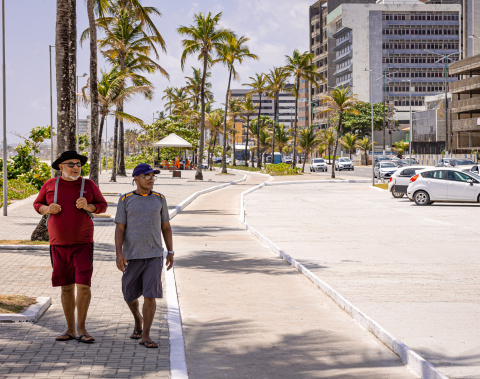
(17, 189)
(282, 169)
(244, 168)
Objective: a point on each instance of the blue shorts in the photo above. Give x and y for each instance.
(142, 277)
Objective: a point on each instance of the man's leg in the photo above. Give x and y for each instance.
(149, 308)
(68, 304)
(135, 309)
(83, 302)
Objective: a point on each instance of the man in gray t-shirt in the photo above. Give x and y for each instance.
(142, 218)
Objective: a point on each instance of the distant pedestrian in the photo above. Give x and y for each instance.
(142, 218)
(69, 201)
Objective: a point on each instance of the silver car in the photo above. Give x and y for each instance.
(384, 169)
(318, 164)
(343, 164)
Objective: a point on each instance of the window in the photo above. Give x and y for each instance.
(458, 176)
(437, 174)
(408, 172)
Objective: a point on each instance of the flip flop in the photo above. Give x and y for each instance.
(150, 344)
(136, 335)
(80, 338)
(62, 337)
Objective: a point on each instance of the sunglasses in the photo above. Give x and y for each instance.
(148, 177)
(72, 165)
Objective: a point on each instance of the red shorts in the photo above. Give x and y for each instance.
(72, 264)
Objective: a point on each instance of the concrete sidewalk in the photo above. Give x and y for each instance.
(247, 314)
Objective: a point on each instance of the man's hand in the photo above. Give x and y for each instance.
(121, 261)
(82, 203)
(169, 261)
(54, 209)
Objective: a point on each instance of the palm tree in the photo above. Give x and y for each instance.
(328, 139)
(400, 147)
(66, 68)
(341, 102)
(264, 142)
(276, 82)
(300, 66)
(126, 40)
(282, 136)
(349, 142)
(203, 39)
(234, 50)
(194, 87)
(321, 148)
(308, 139)
(259, 87)
(234, 110)
(214, 121)
(248, 108)
(365, 144)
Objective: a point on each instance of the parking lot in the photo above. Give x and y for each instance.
(359, 172)
(415, 270)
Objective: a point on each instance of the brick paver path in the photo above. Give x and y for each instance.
(29, 350)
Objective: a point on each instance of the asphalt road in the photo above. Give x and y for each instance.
(363, 172)
(415, 270)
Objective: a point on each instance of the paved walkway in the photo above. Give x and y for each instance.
(247, 314)
(28, 350)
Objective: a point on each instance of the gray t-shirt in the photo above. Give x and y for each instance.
(143, 216)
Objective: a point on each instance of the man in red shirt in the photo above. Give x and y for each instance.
(70, 228)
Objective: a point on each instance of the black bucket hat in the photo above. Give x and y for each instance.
(66, 155)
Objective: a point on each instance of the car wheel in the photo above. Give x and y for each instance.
(421, 198)
(397, 195)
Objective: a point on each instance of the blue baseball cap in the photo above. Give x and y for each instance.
(144, 168)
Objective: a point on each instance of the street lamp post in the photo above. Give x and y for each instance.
(52, 171)
(373, 145)
(76, 101)
(5, 147)
(153, 140)
(411, 129)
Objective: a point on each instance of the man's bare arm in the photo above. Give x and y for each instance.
(119, 236)
(168, 237)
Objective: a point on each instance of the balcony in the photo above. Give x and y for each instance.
(465, 85)
(467, 125)
(466, 105)
(465, 66)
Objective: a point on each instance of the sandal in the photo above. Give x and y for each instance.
(62, 337)
(136, 335)
(86, 340)
(149, 344)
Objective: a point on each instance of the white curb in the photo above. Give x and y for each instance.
(31, 314)
(178, 361)
(25, 247)
(409, 357)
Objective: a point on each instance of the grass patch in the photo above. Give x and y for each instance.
(382, 185)
(15, 303)
(23, 242)
(244, 168)
(18, 189)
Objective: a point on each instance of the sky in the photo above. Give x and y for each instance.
(275, 28)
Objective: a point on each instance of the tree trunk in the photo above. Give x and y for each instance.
(246, 141)
(95, 142)
(115, 149)
(66, 71)
(199, 173)
(121, 148)
(224, 152)
(41, 232)
(259, 163)
(339, 133)
(304, 160)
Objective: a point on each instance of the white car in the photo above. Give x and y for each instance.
(343, 164)
(384, 169)
(444, 184)
(318, 164)
(400, 179)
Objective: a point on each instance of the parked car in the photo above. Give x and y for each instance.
(443, 162)
(409, 161)
(288, 159)
(384, 169)
(381, 158)
(444, 184)
(400, 179)
(463, 164)
(397, 161)
(343, 164)
(475, 169)
(318, 164)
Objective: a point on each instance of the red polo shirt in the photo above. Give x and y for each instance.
(72, 225)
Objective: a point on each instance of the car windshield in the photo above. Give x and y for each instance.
(476, 176)
(464, 162)
(318, 161)
(388, 164)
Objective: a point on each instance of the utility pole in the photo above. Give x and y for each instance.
(383, 112)
(448, 144)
